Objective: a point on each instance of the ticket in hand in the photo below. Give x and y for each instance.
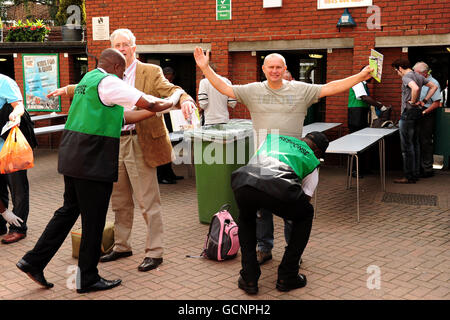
(10, 124)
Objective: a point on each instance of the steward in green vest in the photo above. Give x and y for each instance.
(272, 181)
(88, 157)
(89, 149)
(353, 102)
(358, 108)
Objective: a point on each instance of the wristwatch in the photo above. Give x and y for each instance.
(425, 101)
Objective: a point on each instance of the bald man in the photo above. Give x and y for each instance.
(276, 106)
(88, 159)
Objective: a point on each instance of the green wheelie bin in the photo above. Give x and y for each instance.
(218, 151)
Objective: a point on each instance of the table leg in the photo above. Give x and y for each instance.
(357, 186)
(349, 172)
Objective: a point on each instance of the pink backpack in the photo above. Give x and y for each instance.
(222, 241)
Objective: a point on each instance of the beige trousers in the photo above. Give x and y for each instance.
(136, 177)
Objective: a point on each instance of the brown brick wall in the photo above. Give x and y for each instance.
(176, 21)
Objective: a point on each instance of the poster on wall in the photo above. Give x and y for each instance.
(334, 4)
(40, 77)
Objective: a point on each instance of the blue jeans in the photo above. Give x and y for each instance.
(410, 147)
(264, 230)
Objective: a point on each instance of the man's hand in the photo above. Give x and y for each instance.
(11, 218)
(201, 58)
(187, 107)
(365, 73)
(58, 92)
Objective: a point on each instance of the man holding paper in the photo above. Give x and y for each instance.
(17, 182)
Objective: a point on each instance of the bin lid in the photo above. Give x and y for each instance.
(235, 129)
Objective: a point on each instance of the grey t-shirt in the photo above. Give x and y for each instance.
(282, 110)
(406, 90)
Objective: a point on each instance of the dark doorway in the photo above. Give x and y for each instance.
(7, 65)
(437, 58)
(80, 66)
(307, 66)
(183, 64)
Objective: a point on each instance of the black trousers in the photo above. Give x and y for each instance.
(301, 212)
(17, 182)
(91, 199)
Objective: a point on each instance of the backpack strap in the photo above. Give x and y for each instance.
(225, 207)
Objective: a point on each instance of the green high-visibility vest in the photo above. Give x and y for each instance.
(90, 142)
(353, 102)
(291, 151)
(88, 114)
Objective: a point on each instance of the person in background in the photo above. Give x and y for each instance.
(427, 122)
(288, 76)
(214, 104)
(444, 97)
(412, 83)
(17, 182)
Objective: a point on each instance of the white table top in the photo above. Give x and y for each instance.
(352, 144)
(319, 126)
(379, 132)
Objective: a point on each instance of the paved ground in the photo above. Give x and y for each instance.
(396, 251)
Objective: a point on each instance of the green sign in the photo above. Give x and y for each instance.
(223, 9)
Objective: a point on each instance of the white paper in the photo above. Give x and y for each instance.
(179, 123)
(10, 124)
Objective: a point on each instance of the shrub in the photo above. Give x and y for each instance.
(29, 31)
(62, 16)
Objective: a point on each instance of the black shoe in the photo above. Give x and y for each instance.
(249, 287)
(34, 274)
(287, 285)
(114, 255)
(167, 181)
(177, 177)
(150, 264)
(101, 285)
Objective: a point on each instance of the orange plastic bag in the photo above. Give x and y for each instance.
(16, 153)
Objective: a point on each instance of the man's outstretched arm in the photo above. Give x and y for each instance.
(342, 85)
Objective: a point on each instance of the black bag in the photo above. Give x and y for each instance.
(26, 125)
